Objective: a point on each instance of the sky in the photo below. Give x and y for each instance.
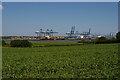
(0, 19)
(24, 18)
(119, 17)
(60, 0)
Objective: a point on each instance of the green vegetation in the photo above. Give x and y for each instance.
(118, 36)
(3, 43)
(26, 43)
(47, 44)
(17, 43)
(103, 40)
(83, 61)
(20, 43)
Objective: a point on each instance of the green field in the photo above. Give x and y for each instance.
(76, 61)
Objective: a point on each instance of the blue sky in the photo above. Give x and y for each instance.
(24, 18)
(60, 0)
(0, 22)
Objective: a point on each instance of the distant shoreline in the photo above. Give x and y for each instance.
(9, 40)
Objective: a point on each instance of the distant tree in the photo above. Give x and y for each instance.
(118, 36)
(102, 38)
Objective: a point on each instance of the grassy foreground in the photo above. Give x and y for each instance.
(78, 61)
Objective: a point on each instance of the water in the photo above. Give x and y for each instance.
(48, 40)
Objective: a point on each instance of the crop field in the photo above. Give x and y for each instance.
(76, 61)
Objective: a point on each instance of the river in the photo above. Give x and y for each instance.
(48, 40)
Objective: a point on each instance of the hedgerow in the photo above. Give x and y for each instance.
(20, 43)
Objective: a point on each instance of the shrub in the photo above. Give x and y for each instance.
(3, 43)
(118, 36)
(20, 43)
(101, 40)
(104, 40)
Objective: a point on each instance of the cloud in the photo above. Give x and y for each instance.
(1, 7)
